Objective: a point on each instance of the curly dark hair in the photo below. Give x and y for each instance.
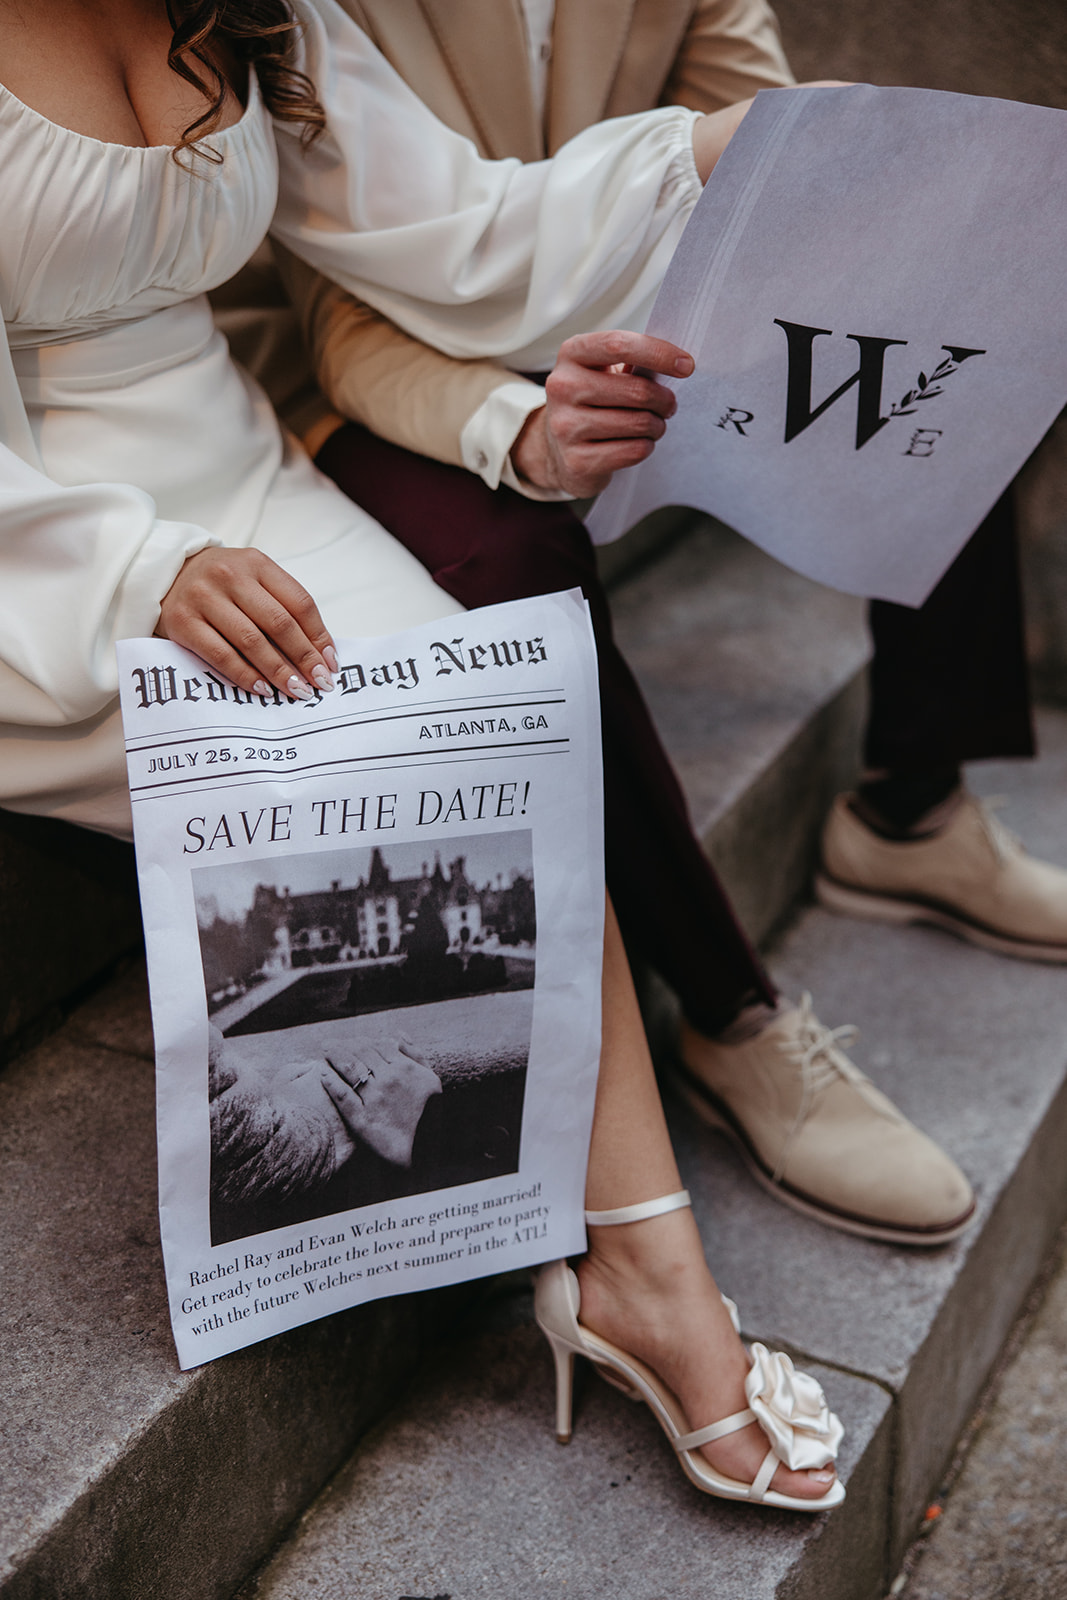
(259, 34)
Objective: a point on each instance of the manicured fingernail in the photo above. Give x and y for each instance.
(259, 687)
(299, 689)
(323, 679)
(329, 655)
(683, 366)
(824, 1477)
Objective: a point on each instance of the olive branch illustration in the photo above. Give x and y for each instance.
(928, 387)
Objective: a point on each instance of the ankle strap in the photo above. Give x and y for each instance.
(638, 1213)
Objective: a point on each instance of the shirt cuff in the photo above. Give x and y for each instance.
(490, 432)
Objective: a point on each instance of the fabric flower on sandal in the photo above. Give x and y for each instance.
(792, 1411)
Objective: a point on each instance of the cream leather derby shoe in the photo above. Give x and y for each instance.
(819, 1135)
(972, 878)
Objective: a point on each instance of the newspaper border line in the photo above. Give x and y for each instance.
(385, 758)
(356, 719)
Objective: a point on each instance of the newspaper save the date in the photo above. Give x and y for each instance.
(874, 288)
(374, 924)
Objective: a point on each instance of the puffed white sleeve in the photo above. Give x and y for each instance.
(480, 258)
(79, 568)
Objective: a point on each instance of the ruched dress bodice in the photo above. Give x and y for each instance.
(123, 374)
(120, 231)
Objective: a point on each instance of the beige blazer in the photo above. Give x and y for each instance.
(467, 59)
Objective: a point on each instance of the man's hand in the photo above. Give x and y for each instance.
(598, 415)
(249, 620)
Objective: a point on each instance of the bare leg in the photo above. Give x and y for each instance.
(645, 1285)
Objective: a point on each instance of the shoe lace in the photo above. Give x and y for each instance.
(819, 1053)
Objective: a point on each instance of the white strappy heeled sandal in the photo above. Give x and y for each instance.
(789, 1406)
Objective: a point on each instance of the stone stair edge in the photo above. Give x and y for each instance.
(95, 1413)
(956, 1307)
(762, 750)
(795, 1558)
(821, 1560)
(1010, 1251)
(126, 1032)
(108, 1541)
(764, 846)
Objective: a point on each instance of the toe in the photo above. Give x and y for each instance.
(810, 1485)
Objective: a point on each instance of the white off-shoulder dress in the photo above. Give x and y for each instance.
(129, 440)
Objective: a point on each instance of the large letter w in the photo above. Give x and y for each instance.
(868, 375)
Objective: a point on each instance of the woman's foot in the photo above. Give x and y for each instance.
(646, 1288)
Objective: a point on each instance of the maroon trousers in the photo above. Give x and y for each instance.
(948, 684)
(484, 546)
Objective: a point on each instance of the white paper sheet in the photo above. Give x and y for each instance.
(904, 250)
(374, 925)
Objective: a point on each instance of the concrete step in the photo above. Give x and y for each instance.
(462, 1490)
(1001, 1528)
(123, 1476)
(755, 679)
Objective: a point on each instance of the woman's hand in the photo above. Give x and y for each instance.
(251, 622)
(598, 415)
(712, 133)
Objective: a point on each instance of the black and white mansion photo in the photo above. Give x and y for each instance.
(369, 1022)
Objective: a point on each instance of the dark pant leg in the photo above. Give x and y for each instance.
(949, 681)
(485, 546)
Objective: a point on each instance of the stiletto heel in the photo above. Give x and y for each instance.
(784, 1402)
(564, 1360)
